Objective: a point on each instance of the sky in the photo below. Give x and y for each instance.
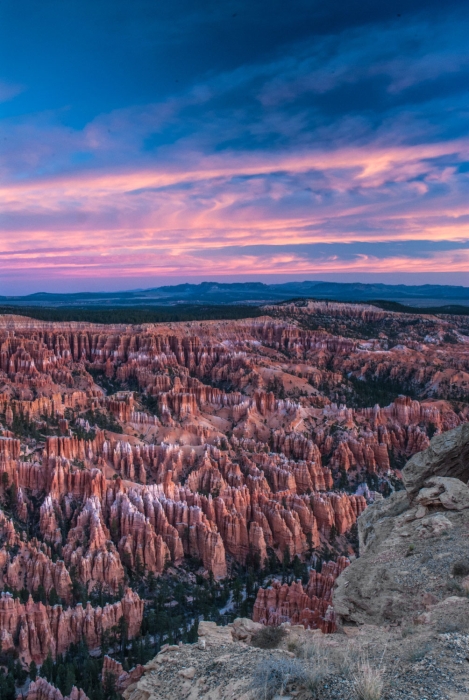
(161, 141)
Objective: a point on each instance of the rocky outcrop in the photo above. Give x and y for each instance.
(442, 493)
(220, 668)
(398, 536)
(448, 455)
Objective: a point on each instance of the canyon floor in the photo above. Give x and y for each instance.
(155, 476)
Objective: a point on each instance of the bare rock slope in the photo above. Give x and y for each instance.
(414, 548)
(414, 662)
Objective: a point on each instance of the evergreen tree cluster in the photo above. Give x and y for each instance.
(77, 668)
(136, 315)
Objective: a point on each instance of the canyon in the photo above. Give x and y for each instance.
(207, 453)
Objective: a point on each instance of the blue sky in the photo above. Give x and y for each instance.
(146, 143)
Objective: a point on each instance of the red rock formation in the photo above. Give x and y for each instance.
(48, 524)
(122, 679)
(75, 448)
(8, 531)
(35, 629)
(31, 568)
(139, 545)
(296, 446)
(9, 448)
(254, 432)
(40, 689)
(310, 606)
(91, 552)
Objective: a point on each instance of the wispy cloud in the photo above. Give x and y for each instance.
(9, 90)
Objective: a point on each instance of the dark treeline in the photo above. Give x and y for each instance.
(451, 309)
(199, 312)
(371, 391)
(187, 312)
(136, 315)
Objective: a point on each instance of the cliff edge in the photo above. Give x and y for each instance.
(414, 546)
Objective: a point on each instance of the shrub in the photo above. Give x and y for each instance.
(272, 676)
(343, 661)
(455, 587)
(418, 653)
(461, 568)
(316, 658)
(448, 627)
(368, 682)
(268, 637)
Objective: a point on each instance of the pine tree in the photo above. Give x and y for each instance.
(286, 559)
(148, 650)
(297, 567)
(41, 594)
(237, 593)
(123, 636)
(109, 690)
(33, 670)
(70, 679)
(53, 597)
(61, 678)
(47, 668)
(7, 686)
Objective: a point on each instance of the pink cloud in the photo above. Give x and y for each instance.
(169, 220)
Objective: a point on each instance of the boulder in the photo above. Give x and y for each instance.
(213, 635)
(444, 492)
(243, 629)
(187, 673)
(447, 455)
